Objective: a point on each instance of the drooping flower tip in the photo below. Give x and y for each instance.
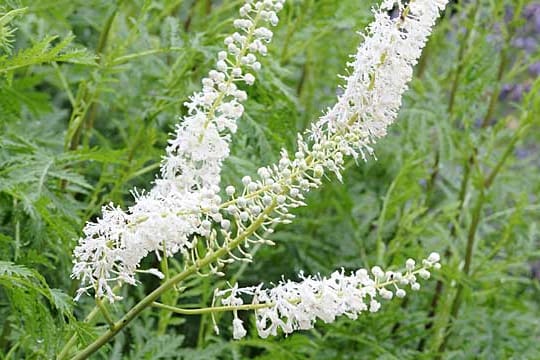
(238, 329)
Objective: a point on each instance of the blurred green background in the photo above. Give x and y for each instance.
(89, 91)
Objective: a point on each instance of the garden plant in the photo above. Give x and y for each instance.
(269, 179)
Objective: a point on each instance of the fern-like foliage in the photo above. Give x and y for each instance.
(7, 30)
(32, 305)
(46, 51)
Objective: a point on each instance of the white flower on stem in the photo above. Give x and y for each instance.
(238, 329)
(297, 305)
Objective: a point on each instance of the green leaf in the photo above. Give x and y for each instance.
(45, 51)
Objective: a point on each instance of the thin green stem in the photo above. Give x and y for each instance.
(380, 245)
(165, 261)
(103, 39)
(64, 83)
(460, 62)
(103, 309)
(125, 58)
(210, 310)
(430, 186)
(477, 212)
(17, 230)
(189, 18)
(509, 150)
(208, 7)
(291, 30)
(495, 96)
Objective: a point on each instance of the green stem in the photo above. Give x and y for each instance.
(291, 30)
(477, 212)
(460, 62)
(64, 83)
(164, 317)
(380, 244)
(108, 318)
(125, 58)
(495, 96)
(205, 287)
(509, 150)
(103, 39)
(422, 62)
(430, 186)
(165, 262)
(210, 310)
(17, 230)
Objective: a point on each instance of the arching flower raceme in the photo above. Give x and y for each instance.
(164, 219)
(297, 305)
(379, 74)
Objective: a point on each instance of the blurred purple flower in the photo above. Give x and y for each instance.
(527, 43)
(514, 92)
(505, 90)
(535, 270)
(522, 153)
(534, 68)
(532, 14)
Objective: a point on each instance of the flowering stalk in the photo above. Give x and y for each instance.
(165, 219)
(291, 306)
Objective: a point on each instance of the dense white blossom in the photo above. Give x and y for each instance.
(164, 219)
(371, 97)
(297, 305)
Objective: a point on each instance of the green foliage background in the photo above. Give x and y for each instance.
(90, 89)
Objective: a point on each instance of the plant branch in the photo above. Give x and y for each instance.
(461, 55)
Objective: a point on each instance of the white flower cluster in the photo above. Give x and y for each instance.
(297, 305)
(370, 101)
(381, 70)
(201, 143)
(165, 219)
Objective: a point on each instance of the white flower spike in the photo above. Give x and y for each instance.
(297, 305)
